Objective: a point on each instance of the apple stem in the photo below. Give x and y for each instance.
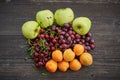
(79, 27)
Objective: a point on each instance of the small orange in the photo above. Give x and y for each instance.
(63, 65)
(86, 59)
(57, 55)
(68, 55)
(51, 66)
(78, 49)
(75, 65)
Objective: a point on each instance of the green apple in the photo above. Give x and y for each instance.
(30, 29)
(45, 18)
(81, 25)
(63, 16)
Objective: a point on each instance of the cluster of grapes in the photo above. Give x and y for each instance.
(56, 37)
(67, 38)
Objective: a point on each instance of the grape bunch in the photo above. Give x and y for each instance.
(68, 38)
(56, 37)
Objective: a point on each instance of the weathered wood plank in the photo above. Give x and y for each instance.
(58, 1)
(12, 16)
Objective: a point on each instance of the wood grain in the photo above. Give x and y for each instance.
(105, 16)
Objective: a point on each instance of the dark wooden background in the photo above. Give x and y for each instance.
(105, 16)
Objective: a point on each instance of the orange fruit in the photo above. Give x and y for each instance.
(68, 55)
(51, 66)
(75, 65)
(86, 59)
(57, 55)
(63, 66)
(78, 49)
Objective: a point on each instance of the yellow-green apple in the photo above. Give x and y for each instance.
(63, 16)
(81, 25)
(45, 18)
(30, 29)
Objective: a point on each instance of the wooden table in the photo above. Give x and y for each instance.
(105, 16)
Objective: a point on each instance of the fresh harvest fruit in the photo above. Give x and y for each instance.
(78, 49)
(30, 29)
(57, 55)
(81, 25)
(68, 55)
(63, 66)
(86, 59)
(75, 65)
(63, 16)
(59, 45)
(51, 66)
(45, 18)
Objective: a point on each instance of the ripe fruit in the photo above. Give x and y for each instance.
(75, 65)
(86, 59)
(78, 49)
(63, 16)
(81, 25)
(51, 65)
(57, 55)
(63, 65)
(45, 18)
(68, 55)
(30, 29)
(62, 35)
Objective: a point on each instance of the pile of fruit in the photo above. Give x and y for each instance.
(58, 41)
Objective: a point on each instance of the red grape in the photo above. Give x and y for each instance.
(36, 39)
(36, 49)
(42, 31)
(59, 31)
(87, 44)
(36, 54)
(78, 40)
(82, 40)
(70, 32)
(46, 43)
(51, 44)
(53, 27)
(92, 41)
(51, 36)
(64, 46)
(45, 59)
(63, 41)
(89, 34)
(67, 35)
(72, 36)
(47, 36)
(41, 36)
(74, 42)
(73, 33)
(54, 41)
(92, 46)
(40, 64)
(41, 55)
(61, 36)
(66, 25)
(70, 28)
(62, 32)
(65, 29)
(77, 36)
(87, 39)
(88, 48)
(69, 38)
(52, 48)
